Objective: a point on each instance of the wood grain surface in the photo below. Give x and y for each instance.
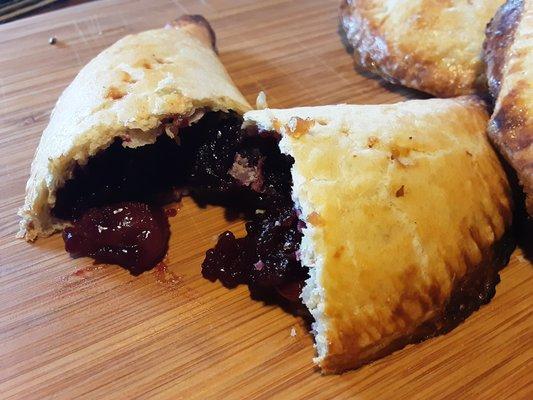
(69, 330)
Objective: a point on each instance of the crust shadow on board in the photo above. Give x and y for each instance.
(523, 223)
(522, 228)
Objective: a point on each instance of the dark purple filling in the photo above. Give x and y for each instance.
(217, 162)
(149, 173)
(266, 256)
(134, 235)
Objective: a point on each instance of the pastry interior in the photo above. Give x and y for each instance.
(114, 202)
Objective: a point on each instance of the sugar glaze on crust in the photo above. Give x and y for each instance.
(509, 58)
(429, 45)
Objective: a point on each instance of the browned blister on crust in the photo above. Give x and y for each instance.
(430, 45)
(198, 26)
(508, 54)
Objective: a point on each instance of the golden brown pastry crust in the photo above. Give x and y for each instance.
(404, 206)
(127, 89)
(509, 57)
(431, 45)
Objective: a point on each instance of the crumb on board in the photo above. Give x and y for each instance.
(261, 101)
(293, 332)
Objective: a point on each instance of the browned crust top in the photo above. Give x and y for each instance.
(396, 58)
(199, 23)
(510, 127)
(499, 36)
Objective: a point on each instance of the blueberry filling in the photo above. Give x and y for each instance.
(114, 202)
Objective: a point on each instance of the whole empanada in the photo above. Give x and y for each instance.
(430, 45)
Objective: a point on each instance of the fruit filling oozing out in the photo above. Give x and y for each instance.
(115, 202)
(132, 234)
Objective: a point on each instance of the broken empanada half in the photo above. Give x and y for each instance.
(144, 87)
(429, 45)
(405, 210)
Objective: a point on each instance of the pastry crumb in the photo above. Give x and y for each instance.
(261, 101)
(293, 332)
(297, 126)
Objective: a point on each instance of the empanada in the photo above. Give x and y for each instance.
(131, 100)
(509, 57)
(404, 211)
(430, 45)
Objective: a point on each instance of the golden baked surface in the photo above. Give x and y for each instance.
(129, 87)
(403, 204)
(509, 57)
(431, 45)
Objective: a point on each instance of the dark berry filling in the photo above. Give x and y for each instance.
(216, 162)
(266, 256)
(148, 173)
(134, 235)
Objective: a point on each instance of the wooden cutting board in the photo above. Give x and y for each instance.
(70, 331)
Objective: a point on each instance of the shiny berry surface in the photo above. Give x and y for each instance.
(131, 234)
